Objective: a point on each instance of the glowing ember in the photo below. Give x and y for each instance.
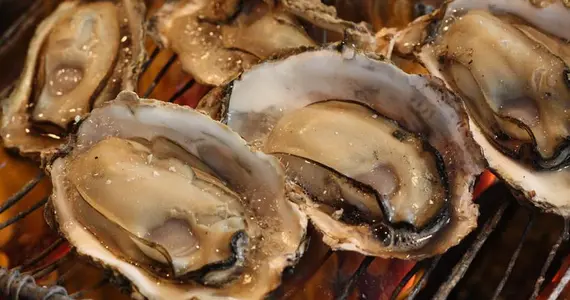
(17, 241)
(382, 278)
(486, 180)
(193, 95)
(169, 83)
(547, 291)
(377, 282)
(408, 287)
(55, 255)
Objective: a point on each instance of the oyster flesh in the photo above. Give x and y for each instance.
(176, 203)
(385, 160)
(82, 55)
(216, 40)
(510, 63)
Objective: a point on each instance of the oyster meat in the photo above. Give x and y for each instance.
(384, 161)
(176, 203)
(82, 55)
(216, 40)
(510, 62)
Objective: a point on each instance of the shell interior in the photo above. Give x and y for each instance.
(176, 203)
(217, 40)
(82, 55)
(510, 63)
(386, 158)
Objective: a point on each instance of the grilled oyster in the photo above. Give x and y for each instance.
(510, 62)
(176, 203)
(216, 40)
(386, 159)
(82, 55)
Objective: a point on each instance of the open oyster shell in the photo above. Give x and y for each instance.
(176, 203)
(510, 62)
(216, 40)
(386, 159)
(82, 55)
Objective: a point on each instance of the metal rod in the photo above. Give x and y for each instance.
(422, 282)
(341, 259)
(23, 214)
(281, 293)
(514, 257)
(150, 59)
(159, 75)
(560, 286)
(182, 90)
(71, 271)
(21, 193)
(17, 286)
(463, 265)
(45, 270)
(99, 284)
(413, 271)
(351, 282)
(563, 237)
(40, 256)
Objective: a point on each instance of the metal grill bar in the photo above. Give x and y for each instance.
(45, 270)
(563, 237)
(423, 280)
(21, 193)
(40, 256)
(351, 282)
(182, 90)
(424, 264)
(561, 285)
(159, 75)
(18, 286)
(67, 274)
(460, 269)
(514, 257)
(99, 284)
(293, 286)
(24, 213)
(150, 59)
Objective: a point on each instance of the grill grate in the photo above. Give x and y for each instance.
(460, 269)
(498, 223)
(435, 278)
(20, 286)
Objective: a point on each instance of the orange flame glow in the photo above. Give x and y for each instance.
(554, 282)
(486, 180)
(408, 287)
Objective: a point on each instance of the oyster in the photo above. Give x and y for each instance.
(385, 160)
(510, 62)
(216, 40)
(176, 203)
(82, 55)
(19, 20)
